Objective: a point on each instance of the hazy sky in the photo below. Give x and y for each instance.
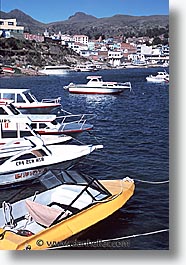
(56, 10)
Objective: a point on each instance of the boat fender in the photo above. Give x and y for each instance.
(24, 232)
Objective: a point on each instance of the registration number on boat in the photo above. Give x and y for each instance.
(29, 161)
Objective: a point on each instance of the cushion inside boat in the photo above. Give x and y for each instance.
(43, 214)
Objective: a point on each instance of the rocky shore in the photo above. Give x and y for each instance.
(26, 57)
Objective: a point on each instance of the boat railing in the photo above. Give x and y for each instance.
(54, 100)
(74, 119)
(127, 84)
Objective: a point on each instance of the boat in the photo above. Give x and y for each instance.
(47, 124)
(8, 70)
(14, 129)
(55, 70)
(139, 63)
(96, 85)
(160, 77)
(55, 216)
(86, 68)
(26, 102)
(38, 156)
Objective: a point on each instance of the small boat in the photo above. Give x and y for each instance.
(96, 85)
(26, 102)
(46, 124)
(139, 63)
(73, 204)
(8, 70)
(55, 70)
(37, 156)
(85, 68)
(161, 77)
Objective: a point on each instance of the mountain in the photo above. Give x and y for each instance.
(80, 16)
(81, 23)
(25, 20)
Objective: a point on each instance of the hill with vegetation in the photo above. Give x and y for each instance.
(81, 23)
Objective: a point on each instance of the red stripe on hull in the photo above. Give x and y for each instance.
(98, 93)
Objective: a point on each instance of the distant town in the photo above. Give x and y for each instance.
(102, 52)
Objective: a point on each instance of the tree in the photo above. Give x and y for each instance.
(156, 41)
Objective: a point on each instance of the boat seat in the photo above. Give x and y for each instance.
(43, 214)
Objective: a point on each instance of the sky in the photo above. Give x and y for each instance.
(56, 10)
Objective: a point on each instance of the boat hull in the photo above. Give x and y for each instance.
(120, 191)
(36, 109)
(101, 91)
(67, 156)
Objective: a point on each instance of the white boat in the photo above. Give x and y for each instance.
(160, 77)
(96, 85)
(139, 63)
(39, 156)
(47, 124)
(26, 102)
(85, 68)
(55, 70)
(14, 129)
(70, 203)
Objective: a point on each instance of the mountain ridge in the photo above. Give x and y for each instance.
(82, 23)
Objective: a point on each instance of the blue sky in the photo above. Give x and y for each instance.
(56, 10)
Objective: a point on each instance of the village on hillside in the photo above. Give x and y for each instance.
(77, 52)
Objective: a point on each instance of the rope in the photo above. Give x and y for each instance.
(89, 243)
(152, 182)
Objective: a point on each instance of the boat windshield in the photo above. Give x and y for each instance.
(54, 178)
(30, 97)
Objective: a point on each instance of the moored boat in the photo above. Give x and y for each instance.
(46, 124)
(55, 70)
(160, 77)
(26, 102)
(96, 85)
(38, 156)
(76, 203)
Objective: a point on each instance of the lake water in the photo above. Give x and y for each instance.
(134, 130)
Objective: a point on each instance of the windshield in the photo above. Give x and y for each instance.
(30, 97)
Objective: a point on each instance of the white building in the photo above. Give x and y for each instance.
(81, 39)
(9, 26)
(115, 58)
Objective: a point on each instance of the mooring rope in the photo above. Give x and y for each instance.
(152, 182)
(89, 243)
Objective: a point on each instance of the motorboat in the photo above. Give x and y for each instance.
(71, 203)
(160, 77)
(139, 63)
(55, 70)
(85, 68)
(96, 85)
(39, 156)
(14, 129)
(48, 124)
(26, 102)
(8, 70)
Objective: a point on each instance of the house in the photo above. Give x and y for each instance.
(115, 58)
(9, 27)
(81, 39)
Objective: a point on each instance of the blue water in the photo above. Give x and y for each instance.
(134, 129)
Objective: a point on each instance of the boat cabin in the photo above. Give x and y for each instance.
(18, 95)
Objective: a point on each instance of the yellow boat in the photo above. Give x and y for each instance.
(55, 215)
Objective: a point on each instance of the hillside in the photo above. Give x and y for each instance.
(81, 23)
(22, 52)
